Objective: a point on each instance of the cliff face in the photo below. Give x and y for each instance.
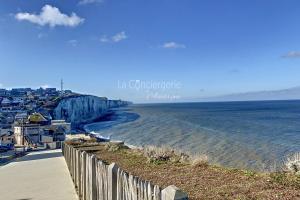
(84, 109)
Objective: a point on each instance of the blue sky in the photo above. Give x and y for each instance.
(109, 47)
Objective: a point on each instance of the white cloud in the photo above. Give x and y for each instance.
(119, 36)
(292, 54)
(51, 16)
(173, 45)
(84, 2)
(41, 35)
(73, 43)
(45, 86)
(104, 38)
(1, 85)
(115, 38)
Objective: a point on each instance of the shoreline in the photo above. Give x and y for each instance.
(105, 118)
(242, 149)
(131, 146)
(102, 138)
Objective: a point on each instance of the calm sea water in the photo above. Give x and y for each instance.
(253, 135)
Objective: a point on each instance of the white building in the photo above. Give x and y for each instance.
(33, 134)
(27, 134)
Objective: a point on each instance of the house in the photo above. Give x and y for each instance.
(30, 97)
(50, 91)
(27, 134)
(40, 92)
(21, 116)
(45, 113)
(38, 130)
(30, 106)
(37, 118)
(20, 91)
(6, 137)
(3, 92)
(58, 129)
(6, 119)
(17, 92)
(5, 102)
(18, 100)
(29, 131)
(43, 98)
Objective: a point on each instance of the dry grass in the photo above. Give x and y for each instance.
(82, 141)
(198, 180)
(113, 147)
(167, 154)
(199, 160)
(77, 136)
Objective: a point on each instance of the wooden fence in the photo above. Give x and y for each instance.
(95, 180)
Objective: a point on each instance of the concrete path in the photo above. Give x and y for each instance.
(7, 154)
(39, 175)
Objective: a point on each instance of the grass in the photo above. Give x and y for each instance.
(285, 179)
(162, 154)
(195, 176)
(249, 173)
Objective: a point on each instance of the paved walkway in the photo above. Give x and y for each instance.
(39, 175)
(7, 154)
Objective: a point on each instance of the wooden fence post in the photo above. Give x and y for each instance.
(93, 162)
(78, 153)
(83, 175)
(112, 181)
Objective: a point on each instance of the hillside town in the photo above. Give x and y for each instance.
(25, 118)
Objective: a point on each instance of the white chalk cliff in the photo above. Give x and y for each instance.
(84, 108)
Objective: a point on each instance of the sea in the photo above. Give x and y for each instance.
(256, 135)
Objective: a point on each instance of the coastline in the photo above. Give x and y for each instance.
(100, 137)
(112, 118)
(81, 126)
(234, 135)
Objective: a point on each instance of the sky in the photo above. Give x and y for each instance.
(150, 51)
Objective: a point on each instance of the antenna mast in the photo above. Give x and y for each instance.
(62, 86)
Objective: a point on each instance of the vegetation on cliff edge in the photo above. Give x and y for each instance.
(197, 178)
